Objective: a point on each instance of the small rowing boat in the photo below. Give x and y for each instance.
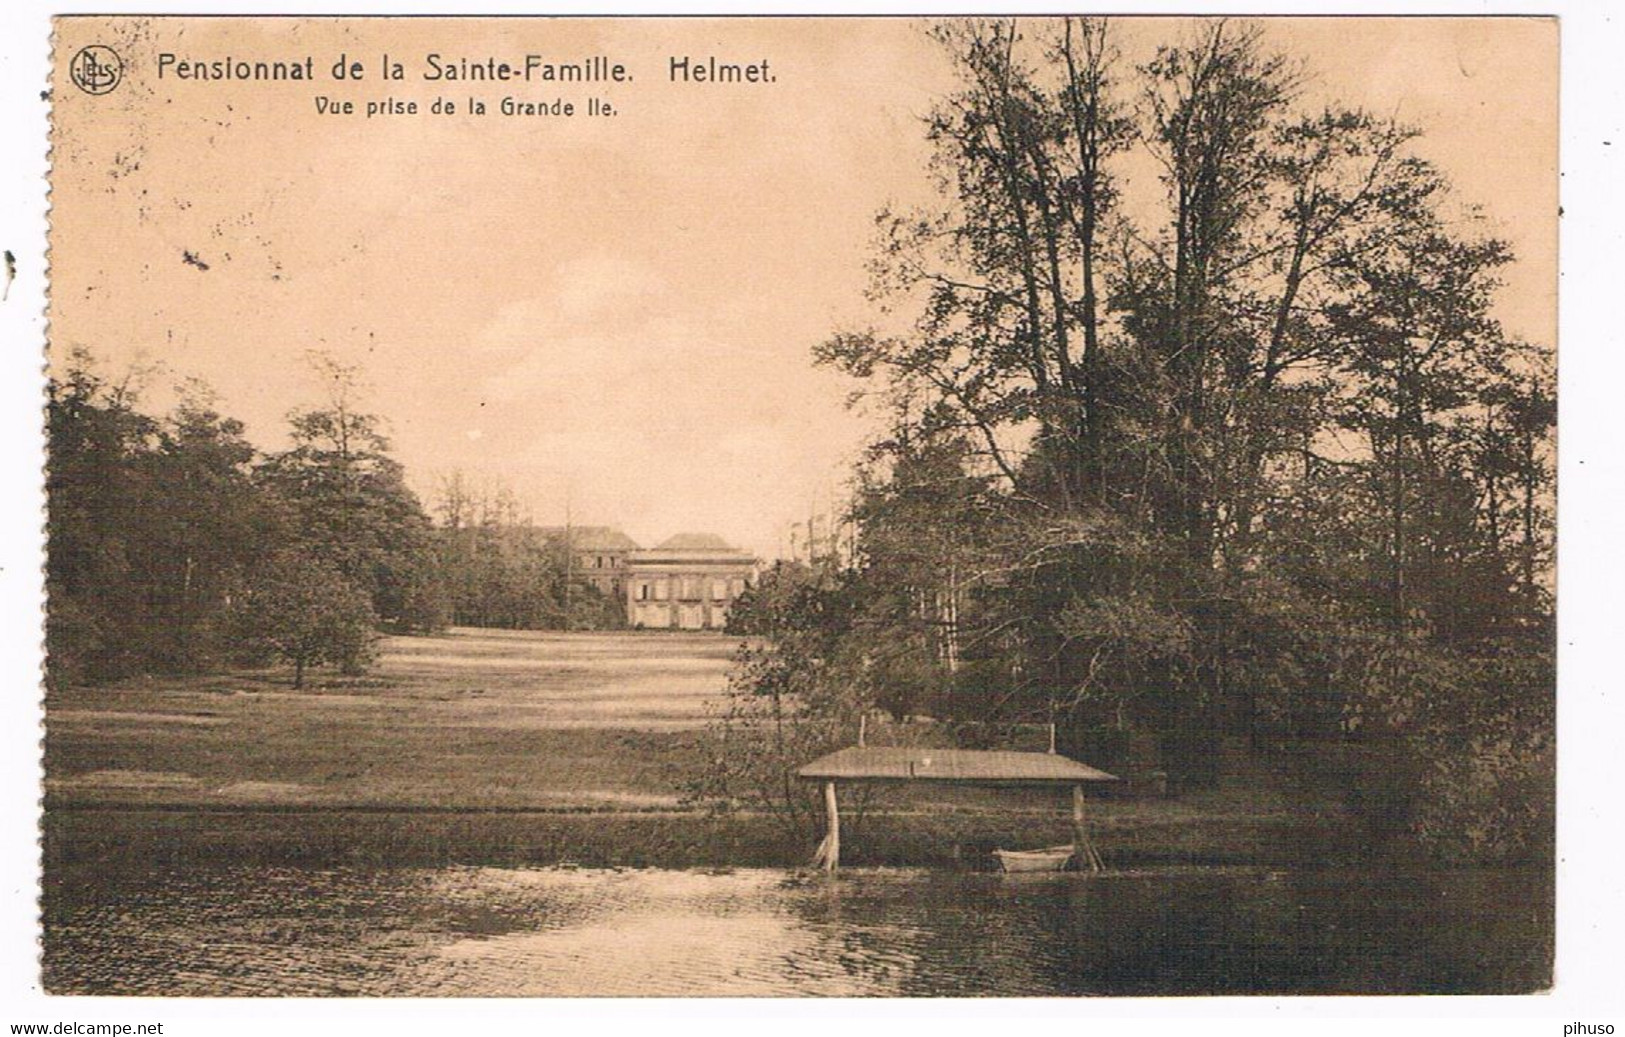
(1052, 858)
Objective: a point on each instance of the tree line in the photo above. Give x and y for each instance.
(176, 546)
(1234, 450)
(498, 569)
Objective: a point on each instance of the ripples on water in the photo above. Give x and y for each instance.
(763, 932)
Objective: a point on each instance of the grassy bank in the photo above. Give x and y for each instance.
(130, 840)
(532, 749)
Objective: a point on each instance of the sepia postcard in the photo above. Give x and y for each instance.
(800, 506)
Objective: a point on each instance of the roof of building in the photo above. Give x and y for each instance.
(593, 538)
(973, 766)
(695, 542)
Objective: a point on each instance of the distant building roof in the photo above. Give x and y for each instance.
(695, 542)
(592, 538)
(972, 766)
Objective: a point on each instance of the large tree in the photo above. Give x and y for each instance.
(153, 524)
(1224, 413)
(347, 502)
(302, 609)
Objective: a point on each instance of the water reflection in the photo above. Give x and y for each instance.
(563, 931)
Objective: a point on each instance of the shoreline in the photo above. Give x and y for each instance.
(445, 754)
(133, 839)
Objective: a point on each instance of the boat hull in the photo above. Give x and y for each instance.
(1054, 858)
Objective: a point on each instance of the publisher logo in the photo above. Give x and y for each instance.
(96, 69)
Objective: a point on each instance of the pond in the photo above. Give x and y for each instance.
(466, 931)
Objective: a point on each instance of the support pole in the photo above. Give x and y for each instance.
(1083, 852)
(1080, 842)
(828, 856)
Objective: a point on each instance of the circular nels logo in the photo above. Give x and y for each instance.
(96, 69)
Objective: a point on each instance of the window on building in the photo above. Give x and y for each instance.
(719, 590)
(661, 590)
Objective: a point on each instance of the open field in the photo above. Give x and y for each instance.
(484, 746)
(473, 719)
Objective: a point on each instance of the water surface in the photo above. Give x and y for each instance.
(768, 932)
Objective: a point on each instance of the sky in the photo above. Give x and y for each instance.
(612, 316)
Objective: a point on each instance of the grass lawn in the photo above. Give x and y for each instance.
(476, 719)
(493, 746)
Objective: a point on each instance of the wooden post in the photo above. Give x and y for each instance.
(1083, 853)
(834, 859)
(828, 856)
(1079, 849)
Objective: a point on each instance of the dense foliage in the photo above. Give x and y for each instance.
(1237, 449)
(302, 609)
(498, 570)
(175, 546)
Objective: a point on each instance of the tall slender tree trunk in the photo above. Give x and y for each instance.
(1086, 132)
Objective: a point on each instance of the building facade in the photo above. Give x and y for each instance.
(689, 582)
